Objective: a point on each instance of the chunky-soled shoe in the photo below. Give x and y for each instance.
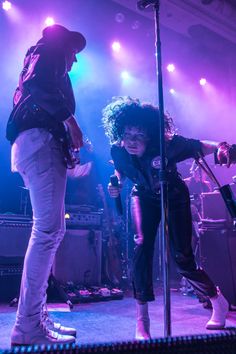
(38, 335)
(57, 327)
(220, 309)
(143, 322)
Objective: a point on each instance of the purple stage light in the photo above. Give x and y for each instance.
(119, 17)
(202, 81)
(6, 5)
(49, 21)
(116, 47)
(125, 75)
(172, 91)
(170, 68)
(135, 25)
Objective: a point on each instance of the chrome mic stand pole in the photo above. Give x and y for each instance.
(142, 4)
(127, 231)
(125, 248)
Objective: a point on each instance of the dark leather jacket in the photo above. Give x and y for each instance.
(44, 96)
(144, 171)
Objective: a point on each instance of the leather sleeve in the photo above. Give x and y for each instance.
(48, 83)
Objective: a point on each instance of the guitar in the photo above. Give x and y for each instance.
(26, 114)
(70, 156)
(113, 256)
(61, 133)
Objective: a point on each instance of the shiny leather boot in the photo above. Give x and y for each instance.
(143, 322)
(220, 309)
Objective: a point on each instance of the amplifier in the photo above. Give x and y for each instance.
(81, 220)
(15, 218)
(11, 269)
(15, 232)
(218, 258)
(213, 206)
(10, 277)
(14, 236)
(78, 258)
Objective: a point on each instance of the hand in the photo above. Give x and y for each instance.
(114, 191)
(226, 154)
(75, 132)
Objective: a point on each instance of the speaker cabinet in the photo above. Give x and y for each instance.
(218, 259)
(213, 206)
(14, 238)
(78, 258)
(10, 277)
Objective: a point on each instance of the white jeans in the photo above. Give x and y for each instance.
(44, 174)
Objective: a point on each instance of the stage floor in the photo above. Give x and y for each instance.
(112, 321)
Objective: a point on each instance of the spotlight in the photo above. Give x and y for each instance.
(202, 81)
(116, 46)
(125, 75)
(170, 68)
(119, 17)
(49, 21)
(6, 5)
(135, 25)
(172, 91)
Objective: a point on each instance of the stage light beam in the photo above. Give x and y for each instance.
(170, 68)
(6, 5)
(49, 21)
(126, 77)
(116, 46)
(202, 81)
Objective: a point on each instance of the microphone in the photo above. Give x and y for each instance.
(143, 4)
(115, 183)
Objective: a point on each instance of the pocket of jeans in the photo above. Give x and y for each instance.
(25, 178)
(44, 160)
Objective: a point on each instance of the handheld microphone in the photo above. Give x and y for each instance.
(143, 4)
(115, 183)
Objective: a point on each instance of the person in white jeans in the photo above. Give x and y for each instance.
(43, 102)
(44, 173)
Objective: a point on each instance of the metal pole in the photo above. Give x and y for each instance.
(142, 4)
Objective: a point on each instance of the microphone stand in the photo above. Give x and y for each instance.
(142, 4)
(201, 191)
(225, 190)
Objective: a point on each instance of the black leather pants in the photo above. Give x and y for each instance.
(146, 214)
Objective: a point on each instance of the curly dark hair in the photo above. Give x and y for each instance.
(126, 111)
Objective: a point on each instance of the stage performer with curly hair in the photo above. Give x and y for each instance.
(133, 129)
